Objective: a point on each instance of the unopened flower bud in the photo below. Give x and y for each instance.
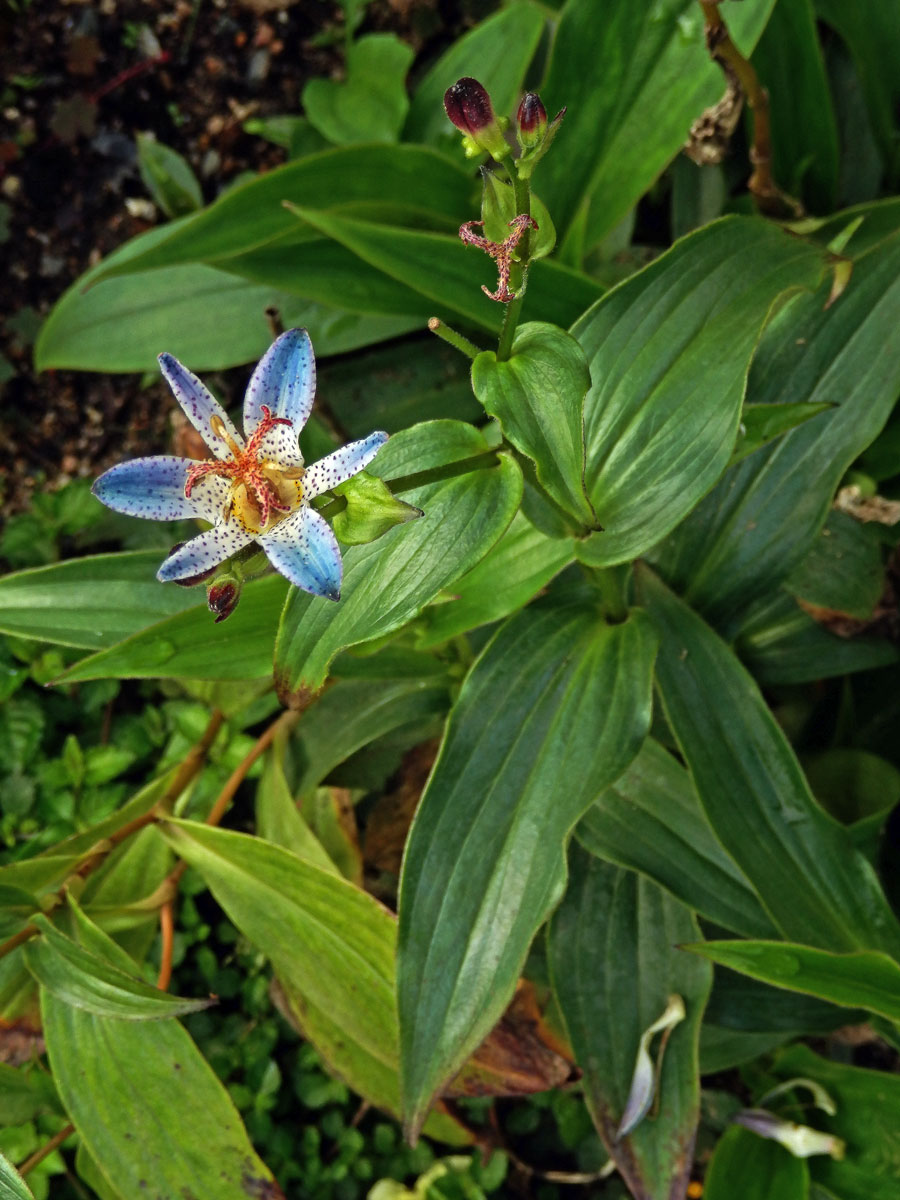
(531, 120)
(469, 107)
(192, 580)
(222, 597)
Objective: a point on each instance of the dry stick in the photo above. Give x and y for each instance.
(769, 197)
(39, 1155)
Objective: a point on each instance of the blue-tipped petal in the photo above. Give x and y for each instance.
(284, 380)
(154, 488)
(199, 405)
(342, 464)
(303, 548)
(205, 551)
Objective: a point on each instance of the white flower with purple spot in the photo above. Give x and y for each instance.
(257, 488)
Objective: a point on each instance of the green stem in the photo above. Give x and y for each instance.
(611, 584)
(455, 339)
(522, 189)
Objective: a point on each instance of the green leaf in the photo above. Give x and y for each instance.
(387, 582)
(864, 980)
(843, 571)
(331, 944)
(370, 105)
(763, 423)
(745, 1166)
(632, 82)
(651, 821)
(788, 60)
(12, 1185)
(191, 645)
(552, 712)
(126, 1084)
(371, 510)
(763, 517)
(867, 1119)
(25, 1093)
(816, 887)
(278, 818)
(614, 963)
(16, 906)
(519, 566)
(449, 274)
(168, 177)
(86, 981)
(537, 395)
(496, 52)
(669, 351)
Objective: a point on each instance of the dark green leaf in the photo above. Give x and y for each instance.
(168, 177)
(25, 1093)
(537, 395)
(387, 582)
(745, 1166)
(651, 821)
(762, 423)
(614, 964)
(516, 569)
(370, 105)
(632, 82)
(763, 517)
(86, 981)
(669, 351)
(496, 52)
(816, 887)
(552, 712)
(865, 980)
(331, 944)
(843, 571)
(192, 646)
(16, 906)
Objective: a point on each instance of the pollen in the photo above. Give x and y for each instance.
(263, 490)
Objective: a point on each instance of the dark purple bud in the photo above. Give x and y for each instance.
(222, 598)
(531, 120)
(469, 106)
(192, 580)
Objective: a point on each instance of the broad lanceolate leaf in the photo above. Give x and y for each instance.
(496, 53)
(552, 712)
(515, 570)
(168, 177)
(614, 963)
(370, 105)
(278, 818)
(817, 888)
(12, 1185)
(537, 395)
(331, 944)
(864, 980)
(87, 981)
(651, 820)
(387, 582)
(763, 517)
(632, 82)
(762, 423)
(90, 602)
(192, 646)
(745, 1166)
(669, 352)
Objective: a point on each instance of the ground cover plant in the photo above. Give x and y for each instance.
(496, 697)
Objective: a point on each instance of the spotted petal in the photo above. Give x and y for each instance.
(303, 548)
(342, 464)
(205, 551)
(284, 380)
(154, 488)
(199, 405)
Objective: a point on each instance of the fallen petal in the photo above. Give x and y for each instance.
(199, 405)
(304, 549)
(154, 488)
(284, 380)
(328, 472)
(205, 551)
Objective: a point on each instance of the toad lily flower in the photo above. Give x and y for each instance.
(257, 488)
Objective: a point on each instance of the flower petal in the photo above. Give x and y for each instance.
(199, 405)
(284, 380)
(342, 464)
(154, 488)
(303, 548)
(279, 445)
(205, 551)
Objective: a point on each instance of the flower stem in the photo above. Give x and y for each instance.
(453, 338)
(47, 1149)
(522, 189)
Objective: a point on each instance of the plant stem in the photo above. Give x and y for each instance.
(453, 338)
(522, 189)
(167, 938)
(17, 940)
(53, 1144)
(610, 583)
